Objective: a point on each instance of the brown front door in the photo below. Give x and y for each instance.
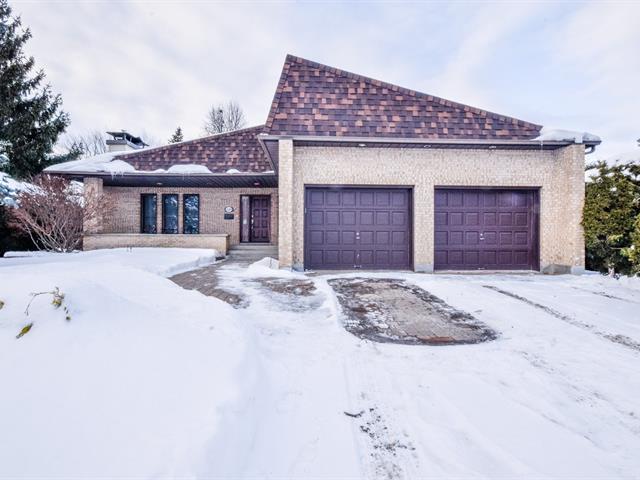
(260, 208)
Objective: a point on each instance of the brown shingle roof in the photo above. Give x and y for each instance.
(314, 99)
(219, 153)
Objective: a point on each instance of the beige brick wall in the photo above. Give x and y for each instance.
(286, 207)
(218, 242)
(125, 218)
(558, 173)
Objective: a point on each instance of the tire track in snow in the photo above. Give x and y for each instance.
(386, 449)
(605, 294)
(612, 337)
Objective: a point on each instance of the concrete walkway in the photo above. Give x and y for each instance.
(206, 280)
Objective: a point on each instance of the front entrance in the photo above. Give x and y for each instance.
(255, 218)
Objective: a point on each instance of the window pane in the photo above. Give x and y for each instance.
(191, 214)
(169, 213)
(149, 213)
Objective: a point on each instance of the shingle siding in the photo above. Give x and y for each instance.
(315, 99)
(239, 150)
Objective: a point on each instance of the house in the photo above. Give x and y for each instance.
(349, 172)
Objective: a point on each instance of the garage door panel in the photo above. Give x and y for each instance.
(347, 257)
(315, 198)
(353, 227)
(349, 218)
(456, 219)
(332, 218)
(367, 199)
(383, 218)
(349, 238)
(366, 218)
(441, 218)
(399, 218)
(349, 199)
(316, 218)
(485, 229)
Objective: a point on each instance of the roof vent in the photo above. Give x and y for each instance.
(123, 141)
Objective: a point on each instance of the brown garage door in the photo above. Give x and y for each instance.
(492, 229)
(352, 227)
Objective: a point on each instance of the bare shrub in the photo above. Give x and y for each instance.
(53, 210)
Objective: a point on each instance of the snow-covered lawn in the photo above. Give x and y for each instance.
(148, 380)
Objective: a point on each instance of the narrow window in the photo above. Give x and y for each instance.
(170, 213)
(148, 213)
(191, 213)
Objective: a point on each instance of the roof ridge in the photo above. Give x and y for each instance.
(186, 142)
(278, 93)
(380, 83)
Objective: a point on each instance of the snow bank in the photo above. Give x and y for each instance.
(164, 261)
(132, 386)
(270, 267)
(559, 135)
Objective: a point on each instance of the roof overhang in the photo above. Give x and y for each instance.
(382, 142)
(192, 180)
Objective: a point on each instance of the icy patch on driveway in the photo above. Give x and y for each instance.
(393, 311)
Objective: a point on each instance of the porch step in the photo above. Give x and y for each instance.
(253, 246)
(249, 253)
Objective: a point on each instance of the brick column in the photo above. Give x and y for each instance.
(285, 202)
(93, 188)
(574, 163)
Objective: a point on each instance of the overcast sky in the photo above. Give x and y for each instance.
(151, 66)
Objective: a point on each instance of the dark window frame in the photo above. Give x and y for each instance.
(184, 214)
(142, 213)
(164, 217)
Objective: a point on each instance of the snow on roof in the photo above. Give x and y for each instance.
(548, 134)
(188, 168)
(107, 163)
(97, 163)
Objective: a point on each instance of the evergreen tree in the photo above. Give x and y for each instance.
(612, 204)
(31, 118)
(633, 251)
(177, 136)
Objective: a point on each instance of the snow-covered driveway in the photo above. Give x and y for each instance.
(152, 381)
(556, 395)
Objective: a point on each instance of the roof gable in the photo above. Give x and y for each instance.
(318, 100)
(238, 150)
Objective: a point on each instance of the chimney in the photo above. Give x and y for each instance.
(123, 141)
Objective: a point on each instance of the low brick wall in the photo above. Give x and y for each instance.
(219, 242)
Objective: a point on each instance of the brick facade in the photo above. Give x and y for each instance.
(558, 173)
(125, 218)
